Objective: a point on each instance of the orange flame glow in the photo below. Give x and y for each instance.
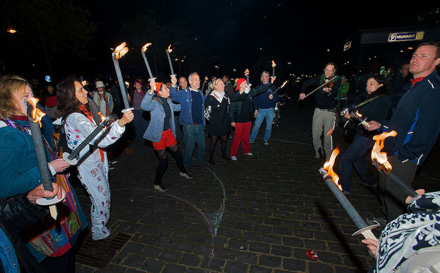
(37, 114)
(273, 64)
(144, 48)
(329, 132)
(102, 116)
(121, 50)
(246, 72)
(328, 166)
(376, 154)
(169, 49)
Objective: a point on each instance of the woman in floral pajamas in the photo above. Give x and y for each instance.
(93, 164)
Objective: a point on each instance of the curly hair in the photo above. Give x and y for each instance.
(67, 101)
(9, 86)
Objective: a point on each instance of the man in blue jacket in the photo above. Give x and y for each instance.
(417, 123)
(264, 105)
(192, 118)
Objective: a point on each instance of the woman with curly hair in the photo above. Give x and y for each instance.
(78, 123)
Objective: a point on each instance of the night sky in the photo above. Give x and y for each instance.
(239, 33)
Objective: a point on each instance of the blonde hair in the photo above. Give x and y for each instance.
(262, 74)
(214, 83)
(9, 86)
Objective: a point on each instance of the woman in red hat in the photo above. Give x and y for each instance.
(241, 113)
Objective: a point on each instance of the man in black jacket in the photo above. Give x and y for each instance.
(325, 109)
(417, 123)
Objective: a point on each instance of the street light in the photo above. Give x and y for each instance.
(10, 29)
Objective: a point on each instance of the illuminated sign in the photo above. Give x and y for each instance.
(347, 46)
(405, 36)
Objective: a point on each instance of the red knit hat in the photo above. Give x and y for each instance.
(240, 81)
(158, 87)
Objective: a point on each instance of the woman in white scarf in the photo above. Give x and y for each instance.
(216, 113)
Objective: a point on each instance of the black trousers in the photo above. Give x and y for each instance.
(391, 196)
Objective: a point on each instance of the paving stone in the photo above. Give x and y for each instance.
(259, 214)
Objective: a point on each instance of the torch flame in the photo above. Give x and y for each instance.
(169, 49)
(273, 64)
(102, 116)
(246, 72)
(358, 114)
(328, 166)
(121, 50)
(144, 48)
(37, 114)
(377, 155)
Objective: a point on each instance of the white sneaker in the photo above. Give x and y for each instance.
(234, 158)
(248, 154)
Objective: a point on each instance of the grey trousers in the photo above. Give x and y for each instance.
(323, 122)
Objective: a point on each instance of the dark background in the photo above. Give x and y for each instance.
(301, 38)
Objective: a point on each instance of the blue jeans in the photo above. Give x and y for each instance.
(263, 114)
(192, 135)
(354, 156)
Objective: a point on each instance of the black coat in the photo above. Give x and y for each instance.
(16, 214)
(216, 113)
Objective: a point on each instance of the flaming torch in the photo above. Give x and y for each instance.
(332, 179)
(35, 115)
(273, 69)
(119, 52)
(73, 157)
(144, 48)
(279, 88)
(246, 73)
(380, 161)
(169, 60)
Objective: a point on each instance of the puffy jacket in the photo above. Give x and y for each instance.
(184, 98)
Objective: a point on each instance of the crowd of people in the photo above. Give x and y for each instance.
(167, 110)
(410, 242)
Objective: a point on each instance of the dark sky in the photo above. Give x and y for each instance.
(241, 33)
(293, 32)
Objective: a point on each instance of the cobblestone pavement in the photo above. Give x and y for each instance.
(256, 215)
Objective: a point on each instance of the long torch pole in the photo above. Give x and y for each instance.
(144, 48)
(169, 61)
(40, 152)
(364, 229)
(121, 83)
(73, 157)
